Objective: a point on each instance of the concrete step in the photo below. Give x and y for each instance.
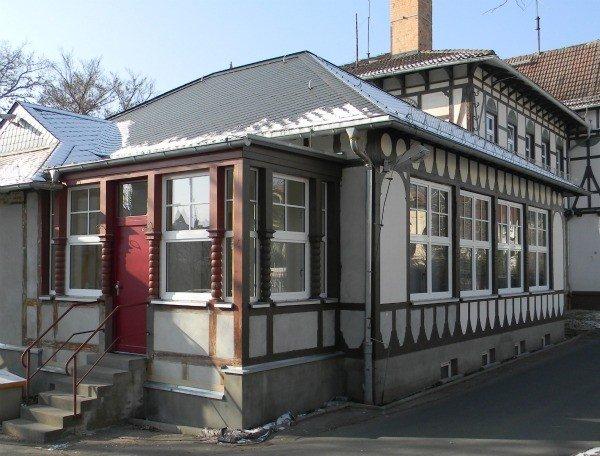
(46, 414)
(64, 401)
(119, 361)
(32, 431)
(90, 387)
(99, 372)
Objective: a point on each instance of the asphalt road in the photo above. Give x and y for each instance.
(546, 404)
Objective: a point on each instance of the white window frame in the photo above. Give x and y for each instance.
(537, 249)
(296, 237)
(530, 147)
(324, 216)
(490, 130)
(79, 239)
(179, 236)
(510, 247)
(474, 244)
(511, 139)
(430, 240)
(545, 154)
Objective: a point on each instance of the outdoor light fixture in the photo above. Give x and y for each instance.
(413, 155)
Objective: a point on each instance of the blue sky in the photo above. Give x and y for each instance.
(175, 41)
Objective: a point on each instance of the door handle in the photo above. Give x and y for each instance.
(117, 287)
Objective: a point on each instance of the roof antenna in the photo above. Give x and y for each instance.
(369, 32)
(537, 21)
(230, 65)
(356, 33)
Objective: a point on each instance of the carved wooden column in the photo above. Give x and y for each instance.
(315, 236)
(154, 234)
(59, 234)
(107, 259)
(216, 264)
(107, 209)
(264, 240)
(315, 264)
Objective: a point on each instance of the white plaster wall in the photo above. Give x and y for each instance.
(295, 331)
(182, 331)
(177, 373)
(558, 251)
(225, 338)
(584, 253)
(328, 328)
(392, 276)
(258, 335)
(352, 327)
(435, 103)
(33, 226)
(79, 319)
(11, 274)
(352, 234)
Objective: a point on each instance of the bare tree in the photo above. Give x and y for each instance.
(84, 87)
(133, 90)
(21, 74)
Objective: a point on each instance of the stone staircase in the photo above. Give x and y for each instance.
(111, 393)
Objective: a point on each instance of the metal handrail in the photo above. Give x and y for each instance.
(26, 355)
(73, 357)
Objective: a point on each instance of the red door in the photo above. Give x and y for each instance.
(131, 274)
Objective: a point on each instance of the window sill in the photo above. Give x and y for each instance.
(304, 302)
(223, 305)
(426, 302)
(478, 297)
(160, 302)
(518, 294)
(86, 299)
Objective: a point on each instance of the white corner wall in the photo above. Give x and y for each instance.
(584, 253)
(352, 234)
(392, 261)
(558, 251)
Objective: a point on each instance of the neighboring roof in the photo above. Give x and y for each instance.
(80, 139)
(390, 64)
(571, 74)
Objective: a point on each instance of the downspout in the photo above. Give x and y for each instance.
(358, 146)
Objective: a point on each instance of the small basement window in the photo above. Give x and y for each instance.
(488, 357)
(522, 347)
(546, 340)
(449, 369)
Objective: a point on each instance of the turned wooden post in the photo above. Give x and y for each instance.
(154, 234)
(216, 264)
(59, 234)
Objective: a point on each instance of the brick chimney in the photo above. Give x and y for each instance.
(410, 25)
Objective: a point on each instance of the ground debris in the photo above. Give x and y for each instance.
(582, 320)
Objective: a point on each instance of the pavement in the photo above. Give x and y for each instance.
(545, 404)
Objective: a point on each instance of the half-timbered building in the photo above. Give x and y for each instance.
(266, 238)
(572, 75)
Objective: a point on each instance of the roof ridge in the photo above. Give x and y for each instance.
(39, 107)
(555, 50)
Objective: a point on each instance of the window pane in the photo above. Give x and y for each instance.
(422, 197)
(201, 189)
(94, 199)
(443, 202)
(278, 190)
(84, 267)
(254, 211)
(481, 269)
(295, 193)
(323, 257)
(295, 219)
(228, 215)
(178, 218)
(279, 217)
(200, 216)
(439, 268)
(253, 185)
(95, 220)
(531, 269)
(79, 200)
(229, 184)
(287, 267)
(178, 191)
(435, 200)
(188, 267)
(133, 198)
(78, 224)
(515, 269)
(421, 223)
(413, 196)
(443, 226)
(502, 268)
(466, 229)
(229, 263)
(542, 272)
(418, 268)
(531, 224)
(253, 268)
(466, 269)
